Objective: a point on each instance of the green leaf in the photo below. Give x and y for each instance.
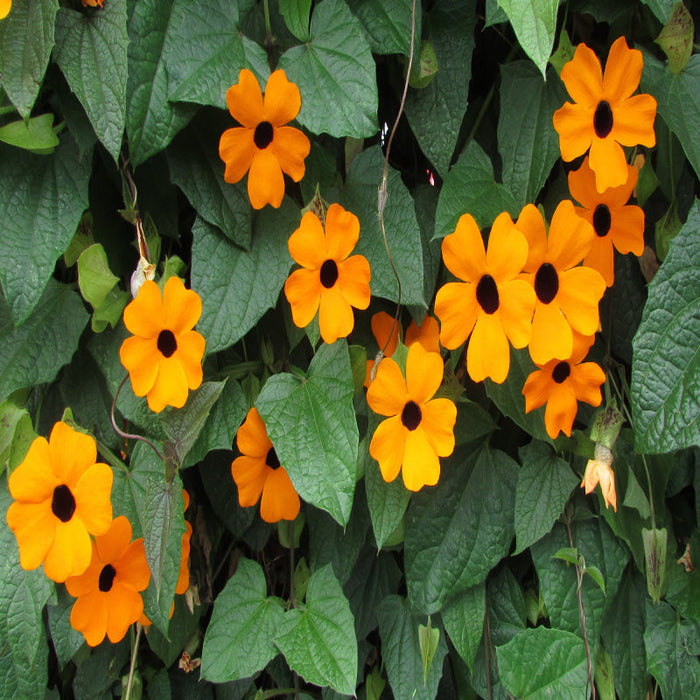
(43, 198)
(35, 352)
(15, 424)
(238, 290)
(676, 38)
(534, 23)
(318, 639)
(151, 120)
(463, 618)
(428, 638)
(26, 40)
(91, 52)
(110, 311)
(665, 391)
(35, 134)
(65, 640)
(655, 541)
(459, 530)
(336, 74)
(238, 641)
(543, 663)
(195, 167)
(596, 575)
(388, 26)
(398, 630)
(672, 646)
(296, 15)
(568, 554)
(544, 485)
(402, 231)
(470, 188)
(661, 8)
(312, 425)
(684, 589)
(207, 51)
(183, 627)
(95, 279)
(435, 112)
(527, 142)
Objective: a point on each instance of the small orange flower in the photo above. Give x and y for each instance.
(561, 383)
(109, 592)
(62, 496)
(258, 471)
(330, 282)
(599, 471)
(5, 7)
(615, 223)
(605, 115)
(419, 429)
(491, 301)
(263, 144)
(567, 295)
(164, 356)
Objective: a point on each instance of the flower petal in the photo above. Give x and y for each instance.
(582, 185)
(382, 326)
(291, 146)
(574, 124)
(112, 545)
(265, 180)
(303, 292)
(282, 100)
(457, 309)
(583, 77)
(92, 498)
(342, 232)
(531, 224)
(125, 608)
(627, 229)
(190, 351)
(34, 526)
(586, 380)
(551, 335)
(279, 499)
(608, 162)
(387, 394)
(236, 149)
(424, 371)
(601, 259)
(421, 466)
(560, 413)
(250, 474)
(170, 388)
(144, 315)
(71, 453)
(507, 250)
(388, 444)
(141, 359)
(488, 353)
(335, 316)
(71, 551)
(182, 306)
(353, 281)
(307, 245)
(33, 481)
(438, 421)
(245, 101)
(570, 237)
(89, 616)
(623, 71)
(132, 567)
(88, 581)
(463, 251)
(633, 122)
(517, 305)
(580, 291)
(251, 438)
(538, 387)
(427, 334)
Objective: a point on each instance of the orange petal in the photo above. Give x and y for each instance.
(586, 380)
(457, 309)
(627, 229)
(463, 251)
(353, 281)
(388, 444)
(290, 147)
(250, 474)
(601, 259)
(34, 526)
(190, 351)
(551, 335)
(112, 545)
(538, 387)
(424, 371)
(88, 581)
(307, 245)
(279, 499)
(574, 124)
(580, 290)
(383, 326)
(438, 421)
(517, 305)
(582, 185)
(33, 481)
(236, 149)
(421, 466)
(71, 551)
(427, 334)
(245, 100)
(92, 499)
(560, 413)
(182, 306)
(387, 395)
(144, 315)
(125, 608)
(583, 77)
(282, 100)
(132, 567)
(183, 579)
(335, 317)
(303, 292)
(507, 250)
(488, 353)
(89, 616)
(633, 121)
(170, 388)
(141, 359)
(265, 180)
(342, 232)
(570, 237)
(531, 224)
(623, 71)
(71, 453)
(608, 162)
(251, 438)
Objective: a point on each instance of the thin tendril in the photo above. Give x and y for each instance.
(132, 668)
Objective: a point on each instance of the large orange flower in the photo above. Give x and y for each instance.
(614, 221)
(419, 429)
(561, 384)
(164, 356)
(109, 592)
(258, 471)
(605, 116)
(62, 496)
(491, 301)
(567, 296)
(263, 144)
(330, 280)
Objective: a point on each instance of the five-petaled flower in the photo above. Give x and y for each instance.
(258, 471)
(599, 471)
(419, 429)
(62, 496)
(164, 355)
(329, 282)
(109, 592)
(567, 295)
(491, 303)
(614, 221)
(263, 144)
(561, 384)
(605, 115)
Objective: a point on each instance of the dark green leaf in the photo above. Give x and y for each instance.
(36, 134)
(661, 8)
(335, 73)
(66, 640)
(388, 27)
(463, 618)
(296, 16)
(666, 367)
(183, 626)
(312, 425)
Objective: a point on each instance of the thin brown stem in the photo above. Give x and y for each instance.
(132, 667)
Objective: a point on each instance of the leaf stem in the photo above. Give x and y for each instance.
(132, 667)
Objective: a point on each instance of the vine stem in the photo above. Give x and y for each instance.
(132, 667)
(292, 601)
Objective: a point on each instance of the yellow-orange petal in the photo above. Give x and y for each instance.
(531, 224)
(141, 359)
(70, 553)
(457, 309)
(438, 421)
(190, 351)
(574, 124)
(342, 232)
(32, 481)
(125, 608)
(183, 579)
(144, 315)
(353, 281)
(170, 387)
(580, 291)
(245, 100)
(112, 545)
(427, 334)
(424, 371)
(303, 292)
(71, 453)
(265, 180)
(388, 444)
(507, 250)
(236, 149)
(608, 161)
(282, 100)
(586, 380)
(92, 498)
(627, 229)
(387, 394)
(623, 71)
(291, 146)
(384, 329)
(561, 409)
(463, 250)
(88, 581)
(279, 499)
(488, 353)
(335, 316)
(634, 122)
(250, 474)
(551, 335)
(517, 304)
(251, 438)
(601, 258)
(5, 7)
(182, 307)
(132, 567)
(34, 526)
(89, 616)
(583, 77)
(570, 237)
(307, 245)
(421, 466)
(538, 387)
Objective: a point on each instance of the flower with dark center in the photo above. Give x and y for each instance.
(263, 146)
(418, 429)
(164, 354)
(561, 384)
(62, 496)
(109, 592)
(605, 115)
(490, 303)
(567, 294)
(617, 224)
(330, 281)
(258, 473)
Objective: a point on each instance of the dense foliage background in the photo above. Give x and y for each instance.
(110, 120)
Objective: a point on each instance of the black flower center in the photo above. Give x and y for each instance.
(167, 343)
(107, 577)
(603, 119)
(487, 294)
(272, 460)
(329, 273)
(63, 503)
(561, 372)
(263, 135)
(411, 415)
(601, 220)
(546, 283)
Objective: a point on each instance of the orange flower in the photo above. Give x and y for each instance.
(108, 593)
(491, 301)
(5, 7)
(427, 334)
(164, 356)
(614, 223)
(258, 471)
(605, 115)
(419, 429)
(566, 296)
(561, 383)
(599, 471)
(263, 144)
(62, 496)
(329, 279)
